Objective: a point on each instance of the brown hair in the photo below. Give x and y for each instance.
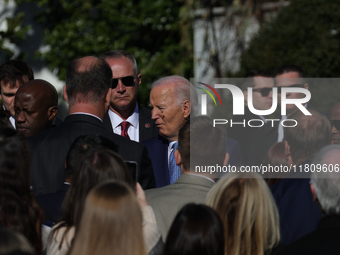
(111, 222)
(96, 167)
(275, 157)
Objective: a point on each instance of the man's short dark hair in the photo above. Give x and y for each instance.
(248, 82)
(311, 134)
(15, 72)
(289, 68)
(87, 81)
(201, 144)
(114, 54)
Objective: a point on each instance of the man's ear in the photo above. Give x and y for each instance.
(108, 98)
(178, 158)
(315, 198)
(52, 112)
(287, 150)
(306, 86)
(226, 159)
(139, 79)
(245, 94)
(65, 94)
(186, 107)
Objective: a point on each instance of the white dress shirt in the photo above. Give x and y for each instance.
(133, 129)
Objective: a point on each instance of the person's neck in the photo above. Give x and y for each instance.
(125, 113)
(199, 173)
(300, 161)
(88, 108)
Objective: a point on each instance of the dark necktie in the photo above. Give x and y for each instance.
(125, 125)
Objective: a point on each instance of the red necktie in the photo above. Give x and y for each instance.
(125, 125)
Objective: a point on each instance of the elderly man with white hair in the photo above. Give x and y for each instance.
(171, 108)
(325, 187)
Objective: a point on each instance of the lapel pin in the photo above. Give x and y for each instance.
(147, 125)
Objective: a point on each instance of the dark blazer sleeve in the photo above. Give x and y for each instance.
(147, 127)
(235, 153)
(107, 123)
(158, 152)
(146, 176)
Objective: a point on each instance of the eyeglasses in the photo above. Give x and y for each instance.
(290, 86)
(128, 81)
(336, 124)
(264, 91)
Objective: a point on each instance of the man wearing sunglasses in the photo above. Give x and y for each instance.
(285, 76)
(262, 85)
(290, 76)
(335, 121)
(125, 116)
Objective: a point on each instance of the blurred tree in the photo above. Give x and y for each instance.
(305, 33)
(13, 34)
(156, 32)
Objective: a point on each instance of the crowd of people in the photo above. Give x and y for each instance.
(115, 177)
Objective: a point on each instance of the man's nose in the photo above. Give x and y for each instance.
(270, 95)
(120, 87)
(334, 130)
(154, 113)
(20, 117)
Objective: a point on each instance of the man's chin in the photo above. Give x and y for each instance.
(335, 141)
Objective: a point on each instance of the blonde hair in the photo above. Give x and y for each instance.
(111, 222)
(248, 213)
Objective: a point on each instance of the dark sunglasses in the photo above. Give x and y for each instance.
(290, 86)
(264, 91)
(128, 81)
(336, 124)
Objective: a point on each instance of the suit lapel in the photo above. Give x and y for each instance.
(107, 123)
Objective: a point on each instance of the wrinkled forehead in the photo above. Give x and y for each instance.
(164, 92)
(287, 79)
(263, 82)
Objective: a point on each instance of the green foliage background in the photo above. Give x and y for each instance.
(156, 32)
(305, 33)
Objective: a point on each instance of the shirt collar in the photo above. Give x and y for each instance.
(133, 118)
(85, 113)
(203, 176)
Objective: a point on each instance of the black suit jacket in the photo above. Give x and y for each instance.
(52, 205)
(147, 127)
(323, 240)
(243, 135)
(299, 214)
(49, 150)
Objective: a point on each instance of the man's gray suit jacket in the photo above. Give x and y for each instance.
(168, 200)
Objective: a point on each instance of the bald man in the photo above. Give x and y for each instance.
(35, 106)
(88, 93)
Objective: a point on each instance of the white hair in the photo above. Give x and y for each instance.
(183, 88)
(327, 182)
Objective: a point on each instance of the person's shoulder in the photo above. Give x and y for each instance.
(123, 141)
(156, 193)
(156, 140)
(144, 111)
